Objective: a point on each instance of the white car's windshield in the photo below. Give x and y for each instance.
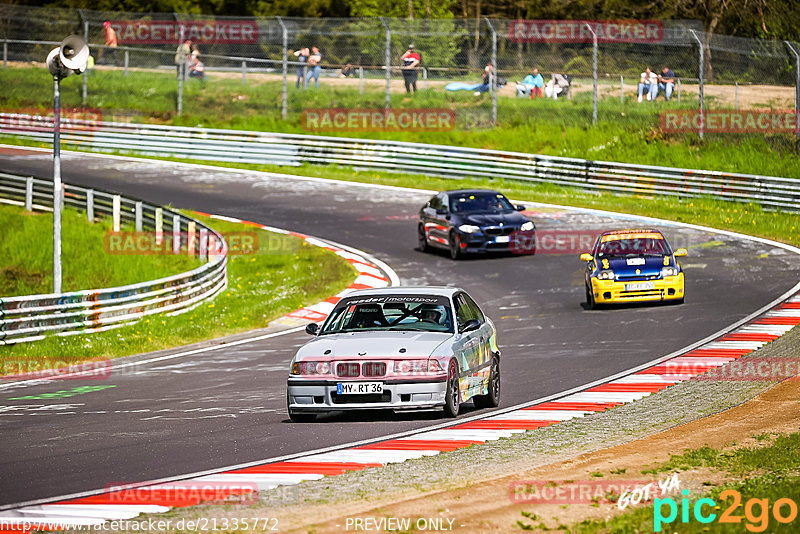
(417, 313)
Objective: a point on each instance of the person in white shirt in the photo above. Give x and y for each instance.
(648, 82)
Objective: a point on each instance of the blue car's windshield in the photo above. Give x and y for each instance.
(477, 202)
(418, 313)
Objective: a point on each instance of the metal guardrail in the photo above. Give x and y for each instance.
(31, 317)
(415, 158)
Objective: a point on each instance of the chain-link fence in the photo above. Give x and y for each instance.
(591, 71)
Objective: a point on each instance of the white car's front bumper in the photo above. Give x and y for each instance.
(316, 396)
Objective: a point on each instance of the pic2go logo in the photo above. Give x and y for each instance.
(756, 511)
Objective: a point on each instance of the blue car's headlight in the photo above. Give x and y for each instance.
(606, 275)
(469, 228)
(527, 227)
(669, 271)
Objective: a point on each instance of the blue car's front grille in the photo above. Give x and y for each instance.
(497, 230)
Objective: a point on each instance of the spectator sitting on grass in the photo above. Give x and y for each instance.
(648, 81)
(532, 85)
(486, 79)
(196, 67)
(558, 85)
(666, 82)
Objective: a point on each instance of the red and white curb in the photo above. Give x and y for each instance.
(247, 480)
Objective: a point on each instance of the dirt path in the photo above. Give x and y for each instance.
(486, 506)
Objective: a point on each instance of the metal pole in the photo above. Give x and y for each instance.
(594, 73)
(181, 72)
(388, 60)
(244, 72)
(700, 77)
(285, 94)
(678, 83)
(736, 95)
(361, 80)
(621, 89)
(796, 94)
(493, 77)
(56, 185)
(5, 53)
(424, 78)
(127, 61)
(85, 90)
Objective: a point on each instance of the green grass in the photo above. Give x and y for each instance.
(626, 132)
(285, 274)
(770, 470)
(26, 269)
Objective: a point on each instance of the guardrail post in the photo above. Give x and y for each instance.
(203, 244)
(90, 205)
(621, 89)
(493, 76)
(361, 80)
(388, 61)
(594, 73)
(244, 72)
(285, 68)
(127, 61)
(211, 248)
(138, 216)
(159, 216)
(191, 231)
(176, 234)
(700, 77)
(29, 194)
(115, 212)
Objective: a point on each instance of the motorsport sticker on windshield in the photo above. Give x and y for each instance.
(396, 299)
(636, 235)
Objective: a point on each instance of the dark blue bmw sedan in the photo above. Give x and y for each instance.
(467, 221)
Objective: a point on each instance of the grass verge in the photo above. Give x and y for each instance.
(625, 132)
(769, 471)
(283, 275)
(28, 270)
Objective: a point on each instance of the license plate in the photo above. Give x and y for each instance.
(502, 239)
(356, 388)
(639, 286)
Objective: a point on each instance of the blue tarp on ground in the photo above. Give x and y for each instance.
(461, 86)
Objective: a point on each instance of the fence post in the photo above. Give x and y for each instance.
(5, 53)
(90, 205)
(424, 78)
(244, 72)
(190, 237)
(493, 74)
(159, 225)
(621, 89)
(29, 194)
(203, 244)
(361, 80)
(700, 77)
(115, 212)
(388, 61)
(85, 89)
(796, 95)
(138, 216)
(736, 95)
(285, 94)
(594, 73)
(176, 234)
(678, 82)
(181, 71)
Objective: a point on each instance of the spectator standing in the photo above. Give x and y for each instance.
(302, 58)
(532, 85)
(411, 60)
(183, 55)
(666, 82)
(648, 81)
(110, 37)
(314, 67)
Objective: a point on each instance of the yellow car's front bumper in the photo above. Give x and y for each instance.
(611, 291)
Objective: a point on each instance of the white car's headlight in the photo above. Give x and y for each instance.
(527, 227)
(669, 271)
(311, 368)
(606, 275)
(410, 367)
(469, 228)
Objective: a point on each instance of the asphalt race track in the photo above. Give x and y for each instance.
(228, 406)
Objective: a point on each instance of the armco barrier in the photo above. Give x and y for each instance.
(395, 156)
(30, 317)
